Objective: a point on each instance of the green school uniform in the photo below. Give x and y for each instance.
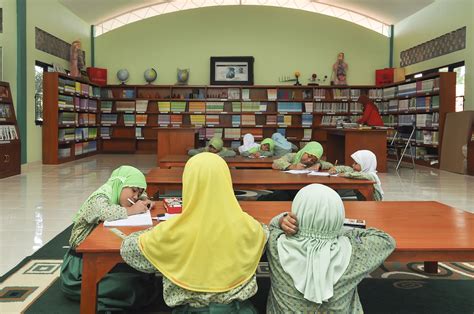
(350, 173)
(284, 162)
(123, 287)
(370, 247)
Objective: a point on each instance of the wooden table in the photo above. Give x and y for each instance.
(342, 143)
(423, 231)
(170, 161)
(162, 180)
(175, 141)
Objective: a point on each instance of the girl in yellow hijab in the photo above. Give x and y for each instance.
(208, 255)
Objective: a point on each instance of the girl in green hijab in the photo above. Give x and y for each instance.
(123, 288)
(306, 158)
(216, 146)
(265, 149)
(317, 269)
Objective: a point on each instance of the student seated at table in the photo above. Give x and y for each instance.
(282, 145)
(306, 158)
(363, 168)
(208, 255)
(124, 287)
(265, 149)
(317, 269)
(216, 146)
(248, 143)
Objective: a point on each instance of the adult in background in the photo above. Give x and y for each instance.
(371, 114)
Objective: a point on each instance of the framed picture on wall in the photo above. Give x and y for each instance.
(232, 70)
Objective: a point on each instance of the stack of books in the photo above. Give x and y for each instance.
(105, 132)
(66, 118)
(341, 94)
(129, 119)
(92, 105)
(197, 106)
(248, 119)
(389, 92)
(308, 107)
(106, 106)
(198, 119)
(236, 106)
(375, 93)
(235, 120)
(214, 106)
(176, 119)
(232, 133)
(125, 106)
(108, 118)
(141, 105)
(141, 119)
(407, 90)
(212, 120)
(164, 106)
(319, 94)
(178, 106)
(306, 120)
(289, 106)
(355, 94)
(284, 120)
(65, 102)
(66, 135)
(164, 119)
(271, 120)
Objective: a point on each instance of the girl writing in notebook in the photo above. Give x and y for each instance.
(317, 269)
(123, 288)
(363, 168)
(208, 255)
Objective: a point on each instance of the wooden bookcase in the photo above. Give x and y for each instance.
(70, 122)
(130, 114)
(423, 103)
(10, 148)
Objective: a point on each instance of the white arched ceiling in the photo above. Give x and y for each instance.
(180, 5)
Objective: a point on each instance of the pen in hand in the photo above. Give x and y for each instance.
(335, 163)
(132, 202)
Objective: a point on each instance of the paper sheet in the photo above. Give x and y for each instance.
(134, 220)
(298, 171)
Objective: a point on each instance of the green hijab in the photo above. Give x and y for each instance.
(317, 255)
(217, 143)
(270, 142)
(312, 148)
(124, 176)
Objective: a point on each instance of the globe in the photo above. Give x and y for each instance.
(150, 75)
(123, 75)
(183, 76)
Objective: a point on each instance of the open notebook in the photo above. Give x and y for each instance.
(134, 220)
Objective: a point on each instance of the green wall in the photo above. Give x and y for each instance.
(437, 19)
(281, 40)
(54, 18)
(8, 43)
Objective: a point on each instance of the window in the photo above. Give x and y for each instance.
(460, 70)
(40, 68)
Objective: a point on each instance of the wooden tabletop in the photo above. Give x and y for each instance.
(424, 231)
(342, 130)
(237, 161)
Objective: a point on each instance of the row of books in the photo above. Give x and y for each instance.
(79, 149)
(117, 93)
(86, 118)
(412, 104)
(73, 87)
(77, 134)
(331, 107)
(139, 106)
(76, 103)
(85, 147)
(8, 133)
(427, 137)
(410, 89)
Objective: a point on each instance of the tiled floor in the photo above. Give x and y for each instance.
(38, 204)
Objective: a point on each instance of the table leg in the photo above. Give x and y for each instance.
(94, 267)
(431, 267)
(367, 192)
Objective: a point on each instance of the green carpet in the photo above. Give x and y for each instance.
(396, 288)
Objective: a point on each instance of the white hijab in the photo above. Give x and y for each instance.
(368, 163)
(317, 256)
(249, 143)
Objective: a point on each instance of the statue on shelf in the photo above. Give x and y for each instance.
(339, 71)
(76, 59)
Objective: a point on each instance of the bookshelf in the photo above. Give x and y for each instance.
(298, 112)
(10, 149)
(70, 119)
(422, 103)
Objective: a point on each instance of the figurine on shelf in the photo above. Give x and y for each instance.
(297, 76)
(76, 59)
(314, 80)
(339, 71)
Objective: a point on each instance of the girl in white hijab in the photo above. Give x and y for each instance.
(363, 168)
(249, 143)
(318, 268)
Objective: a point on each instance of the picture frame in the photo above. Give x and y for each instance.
(232, 70)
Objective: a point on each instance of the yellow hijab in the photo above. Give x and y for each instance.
(213, 246)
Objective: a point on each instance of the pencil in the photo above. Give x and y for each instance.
(133, 203)
(335, 163)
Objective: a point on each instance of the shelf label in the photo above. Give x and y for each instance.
(140, 138)
(105, 137)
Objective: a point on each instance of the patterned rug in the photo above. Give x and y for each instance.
(33, 286)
